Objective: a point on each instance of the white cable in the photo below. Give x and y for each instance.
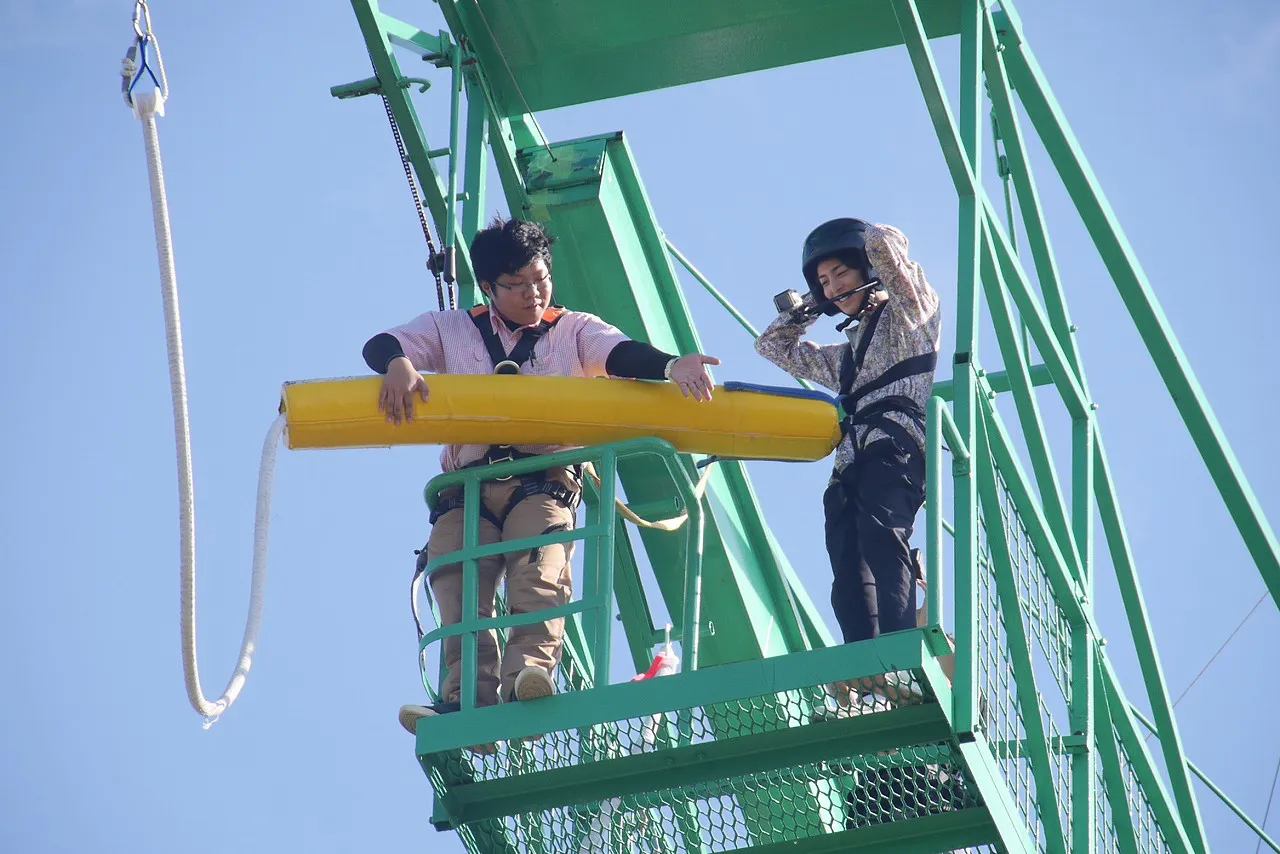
(147, 106)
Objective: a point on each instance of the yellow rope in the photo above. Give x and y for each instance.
(672, 524)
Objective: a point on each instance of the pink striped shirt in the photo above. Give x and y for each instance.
(447, 342)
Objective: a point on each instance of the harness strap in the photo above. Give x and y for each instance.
(922, 363)
(876, 415)
(499, 454)
(448, 505)
(893, 403)
(851, 365)
(528, 336)
(531, 484)
(538, 484)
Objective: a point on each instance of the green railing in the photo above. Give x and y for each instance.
(939, 425)
(596, 603)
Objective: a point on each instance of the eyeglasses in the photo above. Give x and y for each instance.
(515, 287)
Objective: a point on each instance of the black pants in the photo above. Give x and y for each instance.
(870, 511)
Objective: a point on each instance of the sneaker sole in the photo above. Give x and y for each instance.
(534, 688)
(409, 719)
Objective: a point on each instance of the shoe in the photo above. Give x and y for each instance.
(826, 713)
(533, 683)
(411, 714)
(890, 690)
(848, 704)
(902, 689)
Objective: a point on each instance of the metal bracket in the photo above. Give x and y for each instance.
(371, 86)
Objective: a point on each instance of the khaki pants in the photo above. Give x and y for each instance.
(535, 578)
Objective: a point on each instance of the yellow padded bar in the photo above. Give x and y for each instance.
(523, 410)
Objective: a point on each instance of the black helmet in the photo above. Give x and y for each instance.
(842, 237)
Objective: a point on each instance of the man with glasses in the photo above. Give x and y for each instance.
(521, 330)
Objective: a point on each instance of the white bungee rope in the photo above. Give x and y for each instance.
(147, 106)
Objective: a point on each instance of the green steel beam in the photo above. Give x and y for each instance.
(998, 381)
(938, 424)
(1029, 200)
(600, 558)
(987, 776)
(1021, 383)
(1113, 774)
(379, 30)
(1074, 537)
(367, 86)
(936, 411)
(965, 176)
(1144, 644)
(1033, 315)
(1057, 570)
(981, 769)
(633, 602)
(507, 133)
(1135, 290)
(477, 150)
(427, 46)
(1082, 652)
(1024, 397)
(1083, 643)
(955, 144)
(927, 835)
(697, 763)
(1168, 817)
(965, 496)
(451, 235)
(1019, 653)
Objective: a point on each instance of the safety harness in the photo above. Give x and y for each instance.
(523, 351)
(876, 415)
(532, 483)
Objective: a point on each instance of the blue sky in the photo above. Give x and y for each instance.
(296, 240)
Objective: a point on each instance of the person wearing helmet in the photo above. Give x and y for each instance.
(883, 374)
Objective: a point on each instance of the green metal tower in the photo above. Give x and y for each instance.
(1032, 744)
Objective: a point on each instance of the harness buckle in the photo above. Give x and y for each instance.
(507, 454)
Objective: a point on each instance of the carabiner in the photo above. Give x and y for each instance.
(141, 12)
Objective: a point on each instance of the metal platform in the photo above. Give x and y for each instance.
(560, 52)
